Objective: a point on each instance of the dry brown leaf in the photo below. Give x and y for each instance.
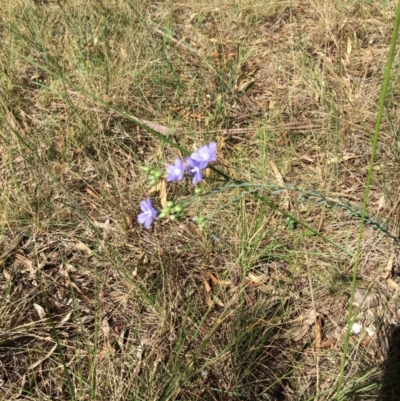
(69, 269)
(277, 173)
(66, 318)
(120, 339)
(256, 281)
(83, 247)
(7, 275)
(161, 129)
(107, 349)
(328, 343)
(392, 284)
(207, 286)
(212, 278)
(220, 143)
(301, 325)
(298, 332)
(105, 226)
(161, 188)
(128, 220)
(344, 158)
(365, 341)
(163, 193)
(139, 356)
(307, 159)
(224, 283)
(218, 301)
(40, 311)
(381, 203)
(310, 318)
(102, 353)
(243, 84)
(92, 193)
(389, 266)
(348, 50)
(281, 182)
(272, 300)
(123, 52)
(365, 301)
(68, 282)
(209, 300)
(105, 327)
(26, 264)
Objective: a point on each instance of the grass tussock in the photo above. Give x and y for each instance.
(255, 306)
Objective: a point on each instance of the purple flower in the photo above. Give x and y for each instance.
(175, 171)
(195, 168)
(148, 213)
(206, 154)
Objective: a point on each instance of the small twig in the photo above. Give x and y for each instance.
(11, 248)
(48, 355)
(179, 43)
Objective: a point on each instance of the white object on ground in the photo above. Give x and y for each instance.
(356, 329)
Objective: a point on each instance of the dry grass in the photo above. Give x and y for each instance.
(94, 306)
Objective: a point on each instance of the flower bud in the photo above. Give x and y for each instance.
(177, 209)
(162, 215)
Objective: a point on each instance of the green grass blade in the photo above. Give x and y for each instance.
(374, 146)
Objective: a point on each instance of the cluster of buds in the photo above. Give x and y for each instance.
(154, 175)
(172, 211)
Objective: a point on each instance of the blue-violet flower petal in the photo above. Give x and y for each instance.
(206, 154)
(195, 168)
(176, 171)
(148, 213)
